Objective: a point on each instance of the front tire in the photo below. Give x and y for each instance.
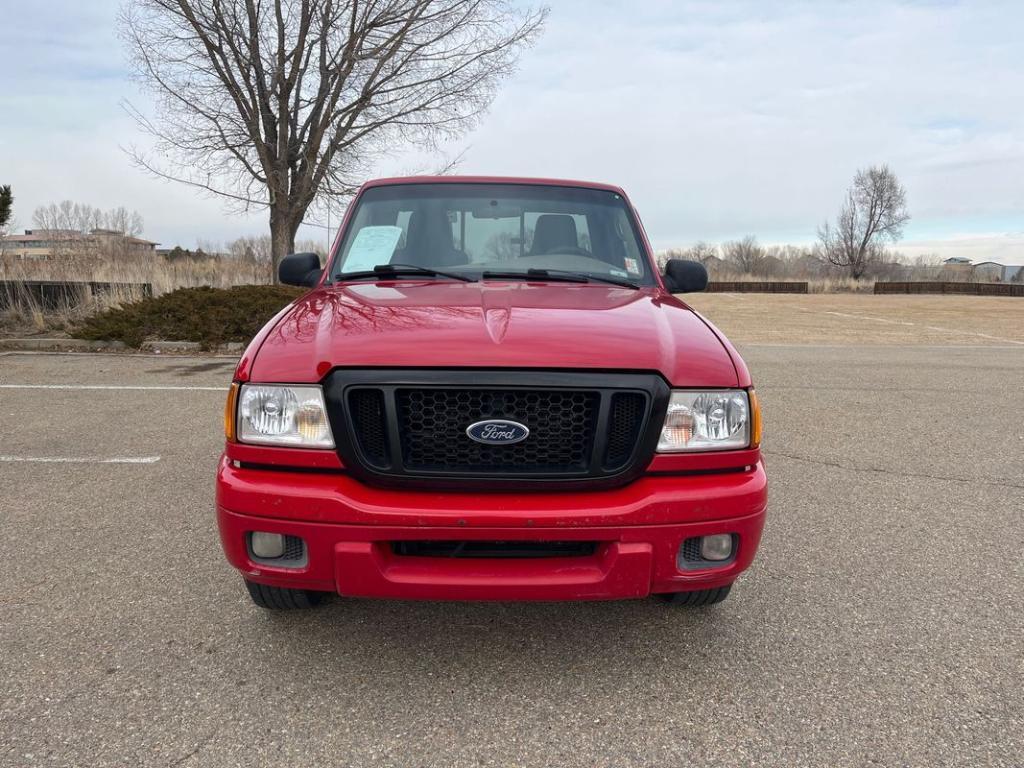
(698, 598)
(282, 599)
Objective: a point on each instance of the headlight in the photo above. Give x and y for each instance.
(707, 421)
(274, 414)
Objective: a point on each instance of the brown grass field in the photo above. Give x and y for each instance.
(864, 319)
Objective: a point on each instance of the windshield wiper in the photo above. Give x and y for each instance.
(599, 278)
(559, 275)
(395, 270)
(540, 274)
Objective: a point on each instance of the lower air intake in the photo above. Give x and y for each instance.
(491, 550)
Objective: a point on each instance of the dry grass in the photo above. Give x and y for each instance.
(864, 319)
(162, 275)
(839, 285)
(814, 284)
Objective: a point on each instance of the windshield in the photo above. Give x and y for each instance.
(476, 230)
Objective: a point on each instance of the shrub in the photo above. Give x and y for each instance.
(210, 316)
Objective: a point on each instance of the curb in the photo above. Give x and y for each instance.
(60, 345)
(84, 345)
(169, 346)
(158, 347)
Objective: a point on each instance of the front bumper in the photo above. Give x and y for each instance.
(348, 528)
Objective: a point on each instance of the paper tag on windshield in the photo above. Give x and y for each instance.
(632, 266)
(372, 246)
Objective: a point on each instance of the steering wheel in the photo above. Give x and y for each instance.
(568, 250)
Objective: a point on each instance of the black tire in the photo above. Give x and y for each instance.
(281, 599)
(697, 599)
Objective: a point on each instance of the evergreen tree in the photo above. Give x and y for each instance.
(6, 201)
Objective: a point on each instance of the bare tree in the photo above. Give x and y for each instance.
(282, 103)
(312, 246)
(250, 248)
(66, 225)
(122, 220)
(67, 216)
(874, 213)
(70, 226)
(701, 251)
(745, 255)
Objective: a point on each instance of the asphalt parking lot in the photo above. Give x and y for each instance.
(880, 625)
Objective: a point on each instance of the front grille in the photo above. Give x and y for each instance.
(367, 409)
(409, 427)
(624, 424)
(494, 550)
(432, 424)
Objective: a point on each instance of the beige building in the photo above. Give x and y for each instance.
(58, 243)
(957, 268)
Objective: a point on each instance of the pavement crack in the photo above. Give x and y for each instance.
(196, 749)
(883, 471)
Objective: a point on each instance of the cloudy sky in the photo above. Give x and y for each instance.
(720, 119)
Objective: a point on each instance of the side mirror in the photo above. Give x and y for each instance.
(299, 269)
(683, 276)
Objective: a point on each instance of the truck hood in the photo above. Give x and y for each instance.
(435, 324)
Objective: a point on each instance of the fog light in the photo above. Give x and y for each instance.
(266, 545)
(717, 547)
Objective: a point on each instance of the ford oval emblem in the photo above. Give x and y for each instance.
(498, 432)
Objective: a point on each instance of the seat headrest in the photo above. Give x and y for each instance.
(553, 230)
(428, 235)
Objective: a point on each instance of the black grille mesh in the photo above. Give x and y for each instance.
(627, 417)
(367, 407)
(294, 548)
(432, 424)
(493, 550)
(691, 550)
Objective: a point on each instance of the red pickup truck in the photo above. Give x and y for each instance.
(490, 393)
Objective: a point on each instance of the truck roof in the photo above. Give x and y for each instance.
(491, 180)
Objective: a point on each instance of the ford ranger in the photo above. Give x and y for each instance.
(490, 393)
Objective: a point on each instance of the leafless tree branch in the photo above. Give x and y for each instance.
(285, 104)
(875, 212)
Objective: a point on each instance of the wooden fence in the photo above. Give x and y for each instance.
(49, 295)
(961, 289)
(741, 286)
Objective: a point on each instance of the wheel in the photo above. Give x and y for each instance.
(697, 599)
(279, 598)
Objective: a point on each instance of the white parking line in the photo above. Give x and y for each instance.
(873, 319)
(113, 387)
(928, 327)
(83, 459)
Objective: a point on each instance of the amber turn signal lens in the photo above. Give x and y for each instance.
(755, 419)
(229, 413)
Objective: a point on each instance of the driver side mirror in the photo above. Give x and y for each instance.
(301, 269)
(683, 276)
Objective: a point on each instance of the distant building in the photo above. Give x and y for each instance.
(992, 271)
(957, 266)
(713, 264)
(53, 243)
